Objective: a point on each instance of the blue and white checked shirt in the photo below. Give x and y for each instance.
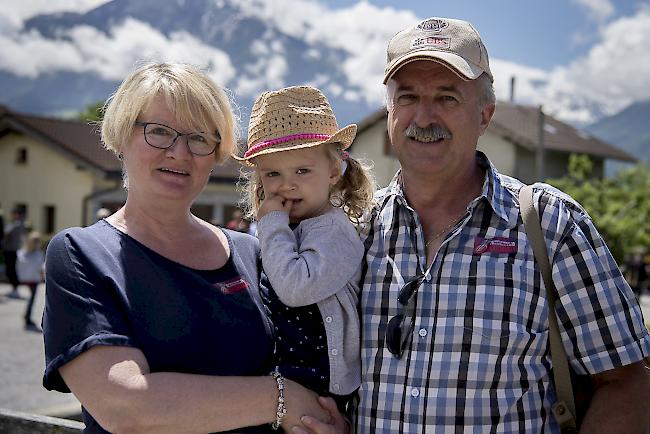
(478, 361)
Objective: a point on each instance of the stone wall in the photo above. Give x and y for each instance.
(15, 422)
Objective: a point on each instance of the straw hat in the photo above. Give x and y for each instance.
(293, 118)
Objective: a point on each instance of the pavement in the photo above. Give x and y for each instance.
(22, 360)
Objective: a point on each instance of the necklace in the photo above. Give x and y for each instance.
(442, 232)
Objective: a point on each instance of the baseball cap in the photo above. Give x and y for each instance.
(454, 43)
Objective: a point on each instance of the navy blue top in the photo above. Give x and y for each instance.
(105, 288)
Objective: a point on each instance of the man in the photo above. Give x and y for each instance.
(465, 348)
(11, 242)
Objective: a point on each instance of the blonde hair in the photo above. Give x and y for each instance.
(29, 244)
(193, 97)
(353, 192)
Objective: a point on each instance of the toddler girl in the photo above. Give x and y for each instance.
(30, 269)
(306, 194)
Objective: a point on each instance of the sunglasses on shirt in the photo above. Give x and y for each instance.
(400, 327)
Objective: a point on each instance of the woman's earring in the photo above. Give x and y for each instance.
(120, 156)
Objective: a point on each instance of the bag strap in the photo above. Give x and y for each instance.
(564, 408)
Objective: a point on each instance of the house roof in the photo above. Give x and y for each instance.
(520, 125)
(80, 141)
(378, 116)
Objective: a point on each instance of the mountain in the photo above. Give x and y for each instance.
(628, 129)
(246, 51)
(60, 63)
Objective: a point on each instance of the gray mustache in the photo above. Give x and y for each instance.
(428, 134)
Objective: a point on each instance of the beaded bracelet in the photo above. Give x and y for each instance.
(281, 412)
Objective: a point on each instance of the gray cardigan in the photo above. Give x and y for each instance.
(319, 263)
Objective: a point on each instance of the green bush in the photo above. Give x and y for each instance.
(619, 206)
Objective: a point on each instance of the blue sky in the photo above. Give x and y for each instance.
(537, 33)
(580, 59)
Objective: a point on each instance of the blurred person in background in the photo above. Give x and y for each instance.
(14, 231)
(30, 269)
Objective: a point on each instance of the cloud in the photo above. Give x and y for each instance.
(364, 40)
(85, 49)
(268, 71)
(604, 81)
(614, 73)
(529, 82)
(23, 9)
(597, 10)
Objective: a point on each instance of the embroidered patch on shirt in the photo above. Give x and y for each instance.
(494, 245)
(231, 286)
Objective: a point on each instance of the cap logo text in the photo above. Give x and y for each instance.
(433, 25)
(430, 41)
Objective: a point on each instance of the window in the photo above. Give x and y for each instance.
(49, 219)
(202, 211)
(21, 156)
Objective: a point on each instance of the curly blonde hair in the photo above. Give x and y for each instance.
(353, 193)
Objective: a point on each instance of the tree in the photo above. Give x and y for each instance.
(92, 113)
(619, 206)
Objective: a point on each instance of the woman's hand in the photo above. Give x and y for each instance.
(312, 425)
(301, 401)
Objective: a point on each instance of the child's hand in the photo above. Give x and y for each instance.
(274, 203)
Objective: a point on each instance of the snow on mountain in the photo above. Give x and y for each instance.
(61, 61)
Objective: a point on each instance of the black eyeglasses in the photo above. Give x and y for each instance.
(163, 137)
(396, 335)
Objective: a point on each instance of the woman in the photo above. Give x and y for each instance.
(152, 315)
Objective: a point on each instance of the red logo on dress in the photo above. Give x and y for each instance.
(494, 245)
(231, 286)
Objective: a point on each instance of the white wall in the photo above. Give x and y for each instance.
(48, 178)
(502, 154)
(370, 145)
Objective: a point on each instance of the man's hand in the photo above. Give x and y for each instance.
(274, 203)
(301, 401)
(336, 425)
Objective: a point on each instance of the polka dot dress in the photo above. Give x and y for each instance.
(301, 342)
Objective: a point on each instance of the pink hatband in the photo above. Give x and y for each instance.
(263, 145)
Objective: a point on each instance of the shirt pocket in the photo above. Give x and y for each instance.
(508, 307)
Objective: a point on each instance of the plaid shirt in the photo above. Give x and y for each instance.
(478, 360)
